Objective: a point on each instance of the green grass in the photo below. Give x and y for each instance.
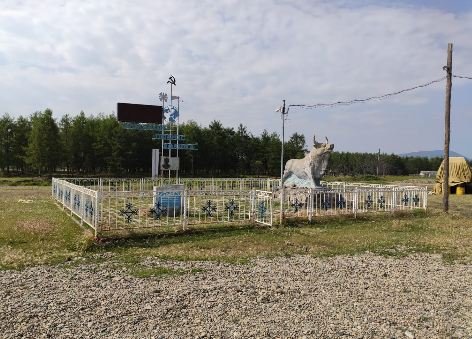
(25, 181)
(33, 230)
(398, 234)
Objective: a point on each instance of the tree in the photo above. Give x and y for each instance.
(21, 132)
(295, 147)
(65, 135)
(6, 142)
(219, 155)
(268, 151)
(242, 150)
(108, 149)
(44, 148)
(190, 160)
(81, 144)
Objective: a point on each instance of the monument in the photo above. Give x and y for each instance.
(307, 172)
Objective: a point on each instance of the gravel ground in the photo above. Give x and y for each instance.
(361, 296)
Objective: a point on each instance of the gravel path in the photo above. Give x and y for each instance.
(361, 296)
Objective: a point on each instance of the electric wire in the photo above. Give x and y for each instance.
(461, 76)
(378, 97)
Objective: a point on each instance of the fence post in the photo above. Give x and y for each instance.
(394, 199)
(71, 206)
(95, 214)
(425, 198)
(310, 204)
(252, 197)
(356, 201)
(62, 198)
(185, 217)
(81, 208)
(282, 198)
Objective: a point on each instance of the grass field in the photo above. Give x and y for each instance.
(33, 230)
(24, 181)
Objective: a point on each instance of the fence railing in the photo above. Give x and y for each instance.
(352, 200)
(80, 201)
(203, 184)
(263, 207)
(116, 204)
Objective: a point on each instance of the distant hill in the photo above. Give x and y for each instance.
(431, 154)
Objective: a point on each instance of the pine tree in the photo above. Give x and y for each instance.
(44, 148)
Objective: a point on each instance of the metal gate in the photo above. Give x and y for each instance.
(262, 207)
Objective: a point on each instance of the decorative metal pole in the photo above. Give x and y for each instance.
(178, 123)
(163, 98)
(171, 81)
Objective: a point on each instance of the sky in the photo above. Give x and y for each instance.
(236, 60)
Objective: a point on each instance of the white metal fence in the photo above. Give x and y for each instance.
(308, 203)
(126, 204)
(263, 207)
(195, 184)
(80, 201)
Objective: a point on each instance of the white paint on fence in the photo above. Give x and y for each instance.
(108, 204)
(80, 201)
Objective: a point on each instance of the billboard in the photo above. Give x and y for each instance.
(169, 163)
(139, 113)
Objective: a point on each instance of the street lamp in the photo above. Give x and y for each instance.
(283, 113)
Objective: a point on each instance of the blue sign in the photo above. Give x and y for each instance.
(167, 201)
(171, 201)
(141, 127)
(169, 137)
(189, 147)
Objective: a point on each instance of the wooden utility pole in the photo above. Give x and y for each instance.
(282, 214)
(447, 125)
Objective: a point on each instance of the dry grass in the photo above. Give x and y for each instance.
(33, 230)
(387, 234)
(35, 226)
(39, 232)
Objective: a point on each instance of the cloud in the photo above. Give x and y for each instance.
(236, 60)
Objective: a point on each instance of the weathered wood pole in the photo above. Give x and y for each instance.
(447, 129)
(282, 213)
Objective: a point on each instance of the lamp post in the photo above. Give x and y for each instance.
(283, 114)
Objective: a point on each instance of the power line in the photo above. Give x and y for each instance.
(379, 97)
(461, 77)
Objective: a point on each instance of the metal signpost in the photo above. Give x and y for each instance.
(163, 120)
(163, 99)
(188, 147)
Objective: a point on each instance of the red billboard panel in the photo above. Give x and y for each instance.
(139, 113)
